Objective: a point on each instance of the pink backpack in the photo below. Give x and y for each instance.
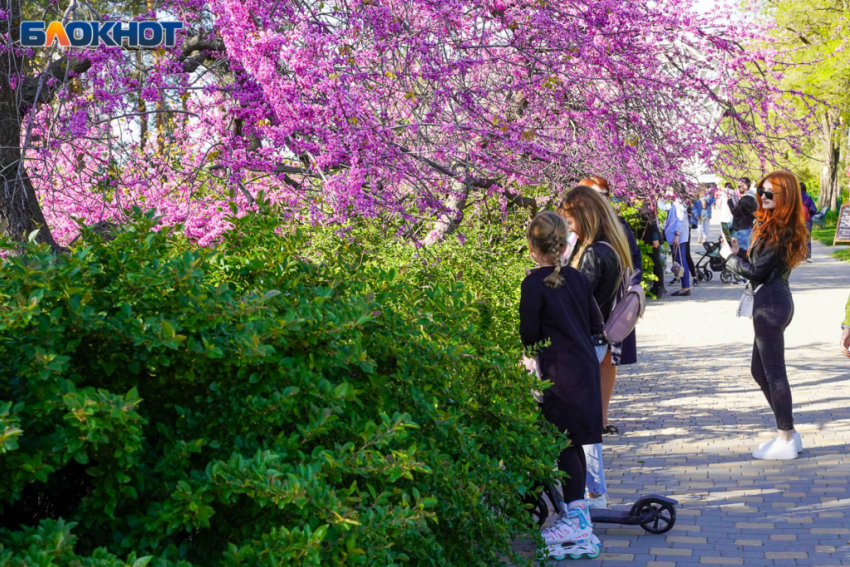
(629, 306)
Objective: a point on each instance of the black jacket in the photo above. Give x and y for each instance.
(744, 213)
(568, 316)
(766, 264)
(601, 266)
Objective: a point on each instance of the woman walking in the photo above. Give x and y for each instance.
(677, 231)
(556, 303)
(778, 246)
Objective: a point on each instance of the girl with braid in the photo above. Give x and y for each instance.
(557, 305)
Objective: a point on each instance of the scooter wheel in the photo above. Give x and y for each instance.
(726, 276)
(664, 517)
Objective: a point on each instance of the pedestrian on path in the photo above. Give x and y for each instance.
(623, 353)
(725, 208)
(651, 236)
(845, 331)
(811, 210)
(702, 210)
(743, 215)
(557, 303)
(601, 254)
(677, 231)
(599, 229)
(779, 245)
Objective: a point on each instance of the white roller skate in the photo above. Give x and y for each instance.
(572, 534)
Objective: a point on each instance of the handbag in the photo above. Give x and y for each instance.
(748, 300)
(676, 268)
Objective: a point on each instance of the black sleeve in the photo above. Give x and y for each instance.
(751, 205)
(758, 271)
(530, 305)
(591, 266)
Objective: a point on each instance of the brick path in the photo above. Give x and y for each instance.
(690, 415)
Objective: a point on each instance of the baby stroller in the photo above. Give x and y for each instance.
(711, 262)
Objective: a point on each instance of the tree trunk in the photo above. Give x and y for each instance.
(143, 117)
(831, 137)
(449, 221)
(20, 211)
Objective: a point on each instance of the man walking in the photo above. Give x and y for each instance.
(743, 215)
(811, 210)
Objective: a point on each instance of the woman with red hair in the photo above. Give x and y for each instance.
(778, 246)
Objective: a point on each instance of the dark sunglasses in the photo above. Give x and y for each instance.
(764, 194)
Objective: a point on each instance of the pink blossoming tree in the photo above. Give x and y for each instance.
(404, 109)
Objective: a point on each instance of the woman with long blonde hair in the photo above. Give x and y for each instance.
(778, 246)
(602, 254)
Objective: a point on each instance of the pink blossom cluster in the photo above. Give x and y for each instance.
(375, 107)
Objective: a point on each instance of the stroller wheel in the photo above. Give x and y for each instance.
(726, 276)
(709, 275)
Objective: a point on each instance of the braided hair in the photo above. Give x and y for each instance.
(547, 234)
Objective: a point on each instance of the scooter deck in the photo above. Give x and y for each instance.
(632, 516)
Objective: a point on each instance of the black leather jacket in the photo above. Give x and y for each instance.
(601, 266)
(766, 264)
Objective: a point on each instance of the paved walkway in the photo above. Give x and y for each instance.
(690, 415)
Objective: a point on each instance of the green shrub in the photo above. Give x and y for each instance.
(269, 401)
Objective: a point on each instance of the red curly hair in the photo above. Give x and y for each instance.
(784, 226)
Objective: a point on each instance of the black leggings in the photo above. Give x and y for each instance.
(772, 312)
(691, 267)
(573, 462)
(658, 270)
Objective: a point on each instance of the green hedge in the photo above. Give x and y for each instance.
(270, 401)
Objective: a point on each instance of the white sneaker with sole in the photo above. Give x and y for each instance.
(776, 450)
(600, 501)
(798, 443)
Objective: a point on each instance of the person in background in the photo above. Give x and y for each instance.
(706, 201)
(601, 254)
(557, 304)
(651, 236)
(779, 245)
(845, 331)
(677, 232)
(743, 215)
(811, 210)
(725, 209)
(625, 352)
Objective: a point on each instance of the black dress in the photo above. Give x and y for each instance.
(568, 316)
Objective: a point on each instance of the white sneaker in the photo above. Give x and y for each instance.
(600, 501)
(776, 450)
(798, 443)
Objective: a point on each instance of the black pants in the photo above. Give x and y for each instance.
(772, 312)
(658, 270)
(691, 268)
(573, 462)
